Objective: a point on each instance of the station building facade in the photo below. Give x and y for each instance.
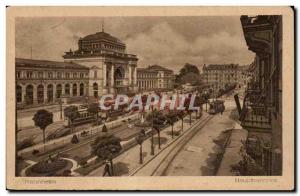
(45, 82)
(99, 66)
(112, 70)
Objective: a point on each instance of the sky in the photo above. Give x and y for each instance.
(167, 41)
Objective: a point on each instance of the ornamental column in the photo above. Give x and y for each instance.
(112, 80)
(104, 75)
(34, 94)
(130, 75)
(134, 77)
(23, 94)
(45, 93)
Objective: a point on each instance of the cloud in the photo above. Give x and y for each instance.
(162, 45)
(167, 41)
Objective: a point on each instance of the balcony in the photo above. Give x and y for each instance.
(258, 33)
(255, 114)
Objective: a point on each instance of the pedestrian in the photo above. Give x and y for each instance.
(107, 168)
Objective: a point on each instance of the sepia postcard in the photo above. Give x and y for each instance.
(150, 98)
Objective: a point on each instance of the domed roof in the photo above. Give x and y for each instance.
(101, 36)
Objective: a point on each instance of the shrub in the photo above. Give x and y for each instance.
(46, 167)
(19, 158)
(25, 143)
(104, 128)
(66, 172)
(82, 162)
(84, 133)
(35, 152)
(74, 139)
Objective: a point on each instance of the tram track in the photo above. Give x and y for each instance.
(178, 144)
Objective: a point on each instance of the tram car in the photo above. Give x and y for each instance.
(216, 106)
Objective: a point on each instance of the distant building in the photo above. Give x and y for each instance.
(112, 70)
(155, 77)
(45, 82)
(217, 76)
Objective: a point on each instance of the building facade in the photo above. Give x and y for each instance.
(262, 106)
(112, 70)
(155, 77)
(99, 66)
(218, 76)
(45, 82)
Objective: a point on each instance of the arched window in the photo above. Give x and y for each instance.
(81, 89)
(58, 90)
(40, 93)
(50, 93)
(19, 93)
(67, 89)
(29, 94)
(95, 89)
(74, 89)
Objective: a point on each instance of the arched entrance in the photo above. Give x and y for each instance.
(74, 90)
(95, 89)
(119, 77)
(50, 93)
(29, 94)
(67, 89)
(58, 90)
(81, 89)
(40, 93)
(19, 94)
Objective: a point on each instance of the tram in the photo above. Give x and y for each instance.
(216, 106)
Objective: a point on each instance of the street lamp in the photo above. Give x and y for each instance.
(60, 107)
(152, 137)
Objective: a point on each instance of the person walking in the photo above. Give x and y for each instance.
(107, 169)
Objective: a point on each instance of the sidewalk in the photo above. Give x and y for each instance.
(128, 162)
(202, 151)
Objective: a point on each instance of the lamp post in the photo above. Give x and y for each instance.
(60, 107)
(152, 137)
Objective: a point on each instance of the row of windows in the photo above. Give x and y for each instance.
(50, 93)
(143, 75)
(50, 74)
(106, 46)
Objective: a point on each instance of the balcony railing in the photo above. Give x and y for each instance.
(255, 113)
(97, 53)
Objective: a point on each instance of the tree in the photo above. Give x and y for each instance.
(71, 112)
(104, 128)
(93, 108)
(74, 139)
(140, 139)
(157, 122)
(106, 147)
(186, 105)
(171, 119)
(189, 74)
(42, 119)
(181, 115)
(198, 103)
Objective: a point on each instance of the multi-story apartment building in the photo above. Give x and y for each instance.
(155, 77)
(261, 114)
(218, 76)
